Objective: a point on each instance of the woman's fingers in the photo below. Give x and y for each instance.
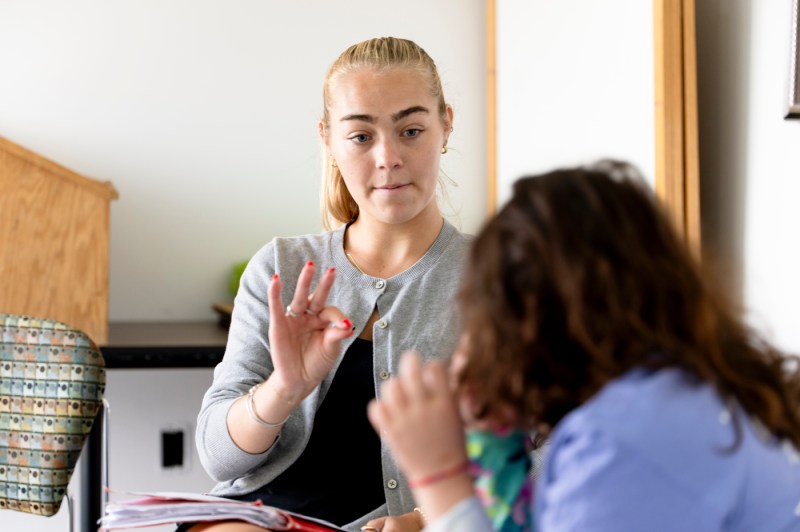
(299, 302)
(326, 317)
(275, 301)
(318, 298)
(397, 523)
(306, 301)
(336, 327)
(376, 525)
(335, 319)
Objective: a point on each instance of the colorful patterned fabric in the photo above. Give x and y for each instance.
(52, 380)
(501, 465)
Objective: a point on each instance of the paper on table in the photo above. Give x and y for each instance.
(158, 508)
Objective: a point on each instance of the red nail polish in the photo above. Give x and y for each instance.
(274, 276)
(310, 263)
(331, 269)
(347, 324)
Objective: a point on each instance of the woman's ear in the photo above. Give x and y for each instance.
(449, 125)
(323, 132)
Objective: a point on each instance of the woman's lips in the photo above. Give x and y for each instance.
(392, 188)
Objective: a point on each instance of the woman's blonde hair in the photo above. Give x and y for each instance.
(379, 54)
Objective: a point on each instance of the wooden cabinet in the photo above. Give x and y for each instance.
(54, 241)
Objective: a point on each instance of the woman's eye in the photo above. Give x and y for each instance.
(359, 139)
(411, 132)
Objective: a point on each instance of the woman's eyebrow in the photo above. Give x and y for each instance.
(395, 117)
(360, 118)
(410, 111)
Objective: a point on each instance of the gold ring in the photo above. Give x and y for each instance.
(290, 312)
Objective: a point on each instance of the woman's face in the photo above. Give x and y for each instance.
(385, 135)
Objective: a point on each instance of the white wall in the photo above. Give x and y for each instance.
(203, 114)
(574, 84)
(750, 159)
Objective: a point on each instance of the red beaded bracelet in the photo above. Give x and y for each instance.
(441, 475)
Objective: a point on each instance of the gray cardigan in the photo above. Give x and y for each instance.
(417, 312)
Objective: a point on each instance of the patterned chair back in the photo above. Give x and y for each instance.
(52, 381)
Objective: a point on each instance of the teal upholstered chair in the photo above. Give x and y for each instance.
(52, 381)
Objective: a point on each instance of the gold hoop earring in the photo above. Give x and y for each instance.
(444, 149)
(333, 163)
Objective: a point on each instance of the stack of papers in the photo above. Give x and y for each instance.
(151, 509)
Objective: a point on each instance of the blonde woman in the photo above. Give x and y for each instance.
(320, 321)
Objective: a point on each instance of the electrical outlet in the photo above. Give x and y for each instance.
(175, 448)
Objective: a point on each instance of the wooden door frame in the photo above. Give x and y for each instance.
(675, 109)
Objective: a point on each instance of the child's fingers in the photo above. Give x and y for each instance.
(393, 396)
(375, 414)
(411, 375)
(436, 379)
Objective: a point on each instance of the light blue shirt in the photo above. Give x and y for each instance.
(653, 452)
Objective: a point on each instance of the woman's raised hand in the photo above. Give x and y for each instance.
(304, 335)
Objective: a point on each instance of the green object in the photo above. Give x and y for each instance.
(236, 274)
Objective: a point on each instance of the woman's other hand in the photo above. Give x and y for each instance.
(410, 522)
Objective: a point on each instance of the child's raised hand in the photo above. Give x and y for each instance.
(418, 418)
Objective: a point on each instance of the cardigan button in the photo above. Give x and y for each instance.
(383, 375)
(380, 284)
(391, 484)
(382, 324)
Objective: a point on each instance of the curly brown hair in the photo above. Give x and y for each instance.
(580, 278)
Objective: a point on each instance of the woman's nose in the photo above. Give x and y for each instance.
(387, 153)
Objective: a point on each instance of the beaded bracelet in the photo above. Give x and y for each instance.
(441, 475)
(251, 409)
